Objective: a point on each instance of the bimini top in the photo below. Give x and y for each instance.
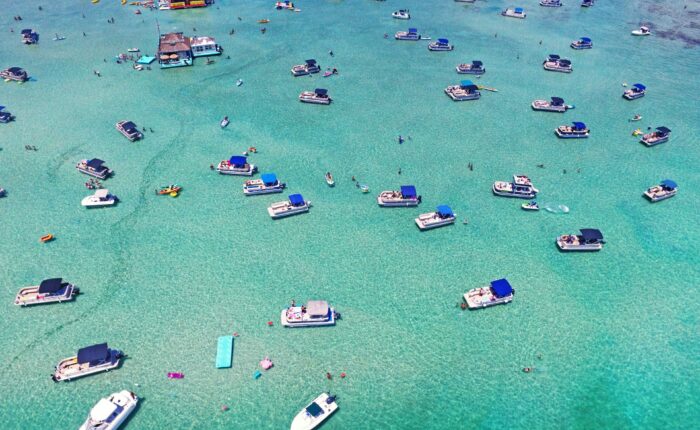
(317, 308)
(27, 31)
(586, 39)
(269, 178)
(557, 101)
(96, 164)
(591, 234)
(311, 62)
(579, 126)
(564, 62)
(553, 57)
(444, 211)
(667, 183)
(129, 126)
(296, 200)
(50, 285)
(408, 191)
(238, 160)
(321, 91)
(93, 354)
(443, 42)
(468, 85)
(663, 130)
(519, 10)
(412, 31)
(477, 63)
(501, 288)
(16, 70)
(639, 87)
(314, 410)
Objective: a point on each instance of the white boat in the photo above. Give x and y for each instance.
(441, 217)
(48, 291)
(576, 130)
(521, 188)
(660, 135)
(129, 130)
(318, 96)
(236, 165)
(224, 122)
(589, 240)
(315, 413)
(315, 313)
(555, 105)
(89, 360)
(295, 205)
(531, 206)
(101, 198)
(666, 189)
(582, 43)
(406, 197)
(440, 45)
(17, 74)
(133, 50)
(411, 34)
(94, 167)
(517, 12)
(554, 63)
(466, 90)
(401, 14)
(309, 67)
(498, 292)
(635, 92)
(111, 412)
(239, 82)
(267, 184)
(643, 31)
(475, 68)
(329, 179)
(551, 3)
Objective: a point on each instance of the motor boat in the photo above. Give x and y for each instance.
(318, 96)
(5, 116)
(89, 360)
(224, 122)
(411, 34)
(401, 14)
(666, 189)
(111, 412)
(517, 12)
(406, 197)
(314, 313)
(315, 412)
(329, 179)
(475, 68)
(295, 205)
(521, 187)
(94, 167)
(236, 165)
(101, 198)
(635, 92)
(52, 290)
(498, 292)
(309, 67)
(531, 206)
(582, 43)
(17, 74)
(466, 90)
(551, 3)
(442, 216)
(589, 240)
(267, 184)
(643, 31)
(129, 130)
(660, 135)
(554, 63)
(576, 130)
(555, 105)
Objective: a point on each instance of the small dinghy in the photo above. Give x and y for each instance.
(532, 206)
(643, 31)
(364, 188)
(636, 118)
(46, 238)
(239, 82)
(224, 122)
(59, 37)
(329, 179)
(133, 50)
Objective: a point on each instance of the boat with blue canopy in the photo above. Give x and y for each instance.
(554, 63)
(517, 12)
(267, 184)
(442, 216)
(236, 165)
(475, 68)
(582, 43)
(411, 34)
(94, 167)
(556, 104)
(440, 45)
(666, 189)
(406, 197)
(17, 74)
(635, 92)
(295, 205)
(498, 292)
(129, 130)
(318, 96)
(590, 239)
(466, 90)
(52, 290)
(660, 135)
(576, 130)
(309, 67)
(89, 360)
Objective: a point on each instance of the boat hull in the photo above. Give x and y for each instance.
(29, 296)
(115, 361)
(287, 211)
(304, 421)
(427, 225)
(562, 135)
(653, 197)
(286, 323)
(633, 96)
(94, 174)
(127, 401)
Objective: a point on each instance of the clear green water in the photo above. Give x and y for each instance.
(617, 331)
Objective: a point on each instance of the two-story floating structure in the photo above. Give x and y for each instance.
(174, 50)
(203, 46)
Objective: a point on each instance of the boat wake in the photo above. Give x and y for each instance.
(556, 209)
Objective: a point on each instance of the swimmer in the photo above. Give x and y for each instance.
(331, 53)
(328, 375)
(399, 170)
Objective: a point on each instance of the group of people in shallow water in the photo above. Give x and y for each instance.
(30, 148)
(93, 184)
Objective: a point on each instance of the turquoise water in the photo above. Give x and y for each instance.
(617, 331)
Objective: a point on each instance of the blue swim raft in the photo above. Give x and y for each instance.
(224, 352)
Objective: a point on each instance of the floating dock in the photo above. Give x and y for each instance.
(224, 352)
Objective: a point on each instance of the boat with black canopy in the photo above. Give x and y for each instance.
(475, 68)
(94, 167)
(318, 96)
(406, 197)
(582, 43)
(554, 63)
(129, 130)
(498, 292)
(556, 104)
(635, 92)
(16, 74)
(309, 67)
(660, 135)
(315, 412)
(590, 239)
(52, 290)
(466, 90)
(89, 360)
(5, 116)
(267, 184)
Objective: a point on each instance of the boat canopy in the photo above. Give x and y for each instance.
(314, 409)
(663, 130)
(564, 62)
(586, 39)
(27, 31)
(667, 183)
(311, 62)
(519, 10)
(591, 235)
(412, 31)
(639, 87)
(553, 57)
(408, 191)
(16, 70)
(269, 178)
(443, 42)
(557, 101)
(477, 64)
(238, 160)
(95, 163)
(579, 126)
(321, 91)
(501, 288)
(50, 285)
(317, 308)
(468, 85)
(444, 211)
(296, 200)
(93, 354)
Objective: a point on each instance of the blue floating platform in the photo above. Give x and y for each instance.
(224, 352)
(145, 59)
